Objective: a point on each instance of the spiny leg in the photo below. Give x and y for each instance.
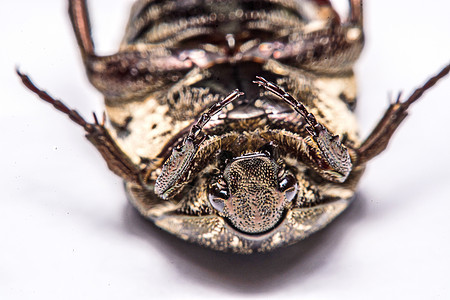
(334, 158)
(96, 133)
(206, 116)
(378, 140)
(175, 169)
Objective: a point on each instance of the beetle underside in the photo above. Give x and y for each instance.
(232, 121)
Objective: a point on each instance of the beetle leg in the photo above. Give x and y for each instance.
(176, 168)
(356, 12)
(332, 48)
(378, 140)
(96, 133)
(80, 20)
(329, 153)
(130, 73)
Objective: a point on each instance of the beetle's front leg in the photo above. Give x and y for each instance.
(394, 115)
(176, 168)
(326, 150)
(97, 134)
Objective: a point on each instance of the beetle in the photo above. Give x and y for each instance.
(232, 122)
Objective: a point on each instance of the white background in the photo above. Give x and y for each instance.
(67, 232)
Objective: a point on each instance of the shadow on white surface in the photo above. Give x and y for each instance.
(250, 274)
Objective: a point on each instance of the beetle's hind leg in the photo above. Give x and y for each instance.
(378, 140)
(96, 133)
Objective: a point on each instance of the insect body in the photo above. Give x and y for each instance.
(232, 122)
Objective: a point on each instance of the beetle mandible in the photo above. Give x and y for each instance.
(231, 122)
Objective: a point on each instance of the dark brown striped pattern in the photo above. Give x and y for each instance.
(175, 23)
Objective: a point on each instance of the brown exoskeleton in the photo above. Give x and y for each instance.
(232, 122)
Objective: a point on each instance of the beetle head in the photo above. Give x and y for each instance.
(253, 191)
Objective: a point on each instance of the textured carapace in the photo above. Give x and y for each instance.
(232, 121)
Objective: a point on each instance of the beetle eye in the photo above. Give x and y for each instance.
(288, 185)
(218, 193)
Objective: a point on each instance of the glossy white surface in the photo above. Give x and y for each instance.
(67, 231)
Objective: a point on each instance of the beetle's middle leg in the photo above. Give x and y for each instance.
(378, 140)
(97, 134)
